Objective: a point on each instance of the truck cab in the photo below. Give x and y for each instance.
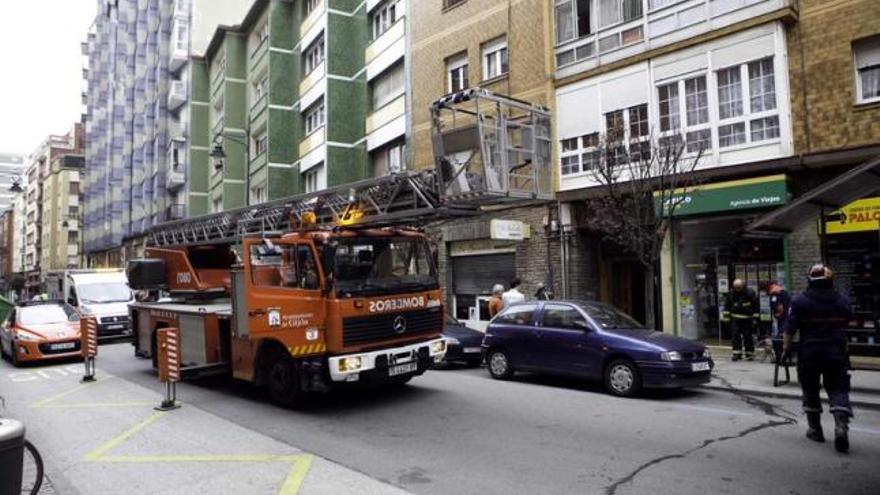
(104, 294)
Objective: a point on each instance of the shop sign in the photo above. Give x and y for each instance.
(859, 216)
(747, 194)
(507, 230)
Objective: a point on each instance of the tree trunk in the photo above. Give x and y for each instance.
(650, 286)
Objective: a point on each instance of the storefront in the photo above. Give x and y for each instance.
(705, 252)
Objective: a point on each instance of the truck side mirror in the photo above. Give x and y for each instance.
(71, 300)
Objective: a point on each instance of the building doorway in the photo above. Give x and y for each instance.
(472, 279)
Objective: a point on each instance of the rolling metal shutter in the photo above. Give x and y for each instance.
(477, 274)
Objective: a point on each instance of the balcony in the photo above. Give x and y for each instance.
(179, 44)
(175, 179)
(176, 95)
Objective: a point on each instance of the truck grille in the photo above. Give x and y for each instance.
(363, 329)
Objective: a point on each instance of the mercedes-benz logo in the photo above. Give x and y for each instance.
(399, 324)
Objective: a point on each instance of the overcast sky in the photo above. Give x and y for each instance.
(41, 79)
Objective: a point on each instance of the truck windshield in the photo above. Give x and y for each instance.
(368, 267)
(45, 314)
(103, 292)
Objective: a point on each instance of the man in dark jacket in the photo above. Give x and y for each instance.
(742, 311)
(779, 303)
(821, 315)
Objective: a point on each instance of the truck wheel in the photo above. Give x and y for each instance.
(282, 381)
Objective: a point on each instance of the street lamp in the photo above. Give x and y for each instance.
(218, 157)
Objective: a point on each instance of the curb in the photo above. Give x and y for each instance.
(872, 405)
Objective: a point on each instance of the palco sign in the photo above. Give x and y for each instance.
(507, 230)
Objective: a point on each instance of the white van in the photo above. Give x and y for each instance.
(103, 294)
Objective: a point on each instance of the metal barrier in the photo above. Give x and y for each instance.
(168, 346)
(89, 346)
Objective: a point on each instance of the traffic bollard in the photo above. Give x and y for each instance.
(168, 344)
(11, 456)
(89, 346)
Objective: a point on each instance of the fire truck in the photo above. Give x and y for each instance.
(304, 293)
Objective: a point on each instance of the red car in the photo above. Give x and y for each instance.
(41, 330)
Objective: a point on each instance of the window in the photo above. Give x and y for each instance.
(383, 17)
(389, 159)
(867, 65)
(571, 164)
(669, 107)
(217, 205)
(258, 194)
(615, 131)
(560, 316)
(457, 73)
(311, 5)
(696, 101)
(572, 19)
(580, 154)
(732, 134)
(729, 93)
(451, 3)
(700, 140)
(73, 211)
(261, 143)
(261, 88)
(387, 86)
(495, 61)
(310, 178)
(521, 314)
(762, 86)
(639, 138)
(615, 11)
(72, 237)
(314, 55)
(766, 128)
(74, 188)
(181, 37)
(291, 267)
(315, 117)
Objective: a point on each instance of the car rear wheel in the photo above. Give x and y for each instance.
(282, 381)
(622, 378)
(499, 365)
(13, 356)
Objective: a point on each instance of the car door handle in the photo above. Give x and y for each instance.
(257, 312)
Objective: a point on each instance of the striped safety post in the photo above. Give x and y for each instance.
(88, 334)
(168, 345)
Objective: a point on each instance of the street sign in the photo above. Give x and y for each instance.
(507, 230)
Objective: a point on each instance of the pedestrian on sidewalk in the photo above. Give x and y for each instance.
(779, 303)
(741, 310)
(821, 315)
(513, 295)
(541, 294)
(495, 302)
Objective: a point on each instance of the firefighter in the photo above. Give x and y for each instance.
(821, 315)
(741, 310)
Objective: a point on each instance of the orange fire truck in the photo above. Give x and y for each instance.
(299, 294)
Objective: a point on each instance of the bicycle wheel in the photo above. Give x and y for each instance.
(32, 477)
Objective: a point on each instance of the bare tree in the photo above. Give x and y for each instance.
(643, 183)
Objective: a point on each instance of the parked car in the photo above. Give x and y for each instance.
(463, 344)
(39, 330)
(594, 341)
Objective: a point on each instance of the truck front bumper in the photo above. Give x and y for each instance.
(412, 359)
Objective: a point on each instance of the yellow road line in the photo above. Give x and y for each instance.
(94, 405)
(297, 475)
(53, 398)
(96, 454)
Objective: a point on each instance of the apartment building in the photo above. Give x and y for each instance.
(298, 97)
(137, 77)
(505, 47)
(7, 242)
(53, 170)
(12, 169)
(776, 98)
(61, 211)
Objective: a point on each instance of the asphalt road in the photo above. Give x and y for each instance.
(459, 431)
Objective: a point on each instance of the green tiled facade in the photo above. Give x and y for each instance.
(228, 110)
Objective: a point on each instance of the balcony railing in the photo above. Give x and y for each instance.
(175, 212)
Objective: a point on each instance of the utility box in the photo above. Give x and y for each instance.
(11, 456)
(491, 148)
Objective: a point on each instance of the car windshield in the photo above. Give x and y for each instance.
(377, 266)
(44, 314)
(104, 292)
(609, 317)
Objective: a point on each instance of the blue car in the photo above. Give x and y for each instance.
(463, 344)
(595, 341)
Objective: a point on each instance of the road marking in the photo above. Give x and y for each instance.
(43, 403)
(89, 405)
(302, 463)
(43, 374)
(869, 431)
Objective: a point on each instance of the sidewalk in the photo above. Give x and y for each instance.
(106, 438)
(757, 378)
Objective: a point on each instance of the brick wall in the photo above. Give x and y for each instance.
(439, 33)
(822, 75)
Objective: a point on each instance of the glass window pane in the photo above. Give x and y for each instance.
(733, 134)
(729, 93)
(518, 315)
(564, 21)
(696, 101)
(762, 86)
(669, 107)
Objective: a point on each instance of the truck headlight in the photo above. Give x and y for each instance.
(670, 356)
(438, 347)
(350, 364)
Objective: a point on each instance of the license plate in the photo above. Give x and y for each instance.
(472, 350)
(115, 327)
(62, 346)
(704, 366)
(402, 368)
